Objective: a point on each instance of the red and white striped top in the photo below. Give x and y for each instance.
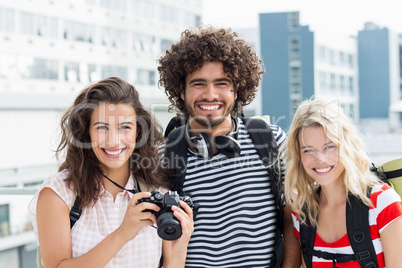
(386, 207)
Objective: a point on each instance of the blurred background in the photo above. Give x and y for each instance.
(346, 51)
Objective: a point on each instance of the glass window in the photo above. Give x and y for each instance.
(295, 80)
(332, 56)
(4, 220)
(323, 79)
(114, 4)
(165, 44)
(350, 60)
(38, 25)
(294, 49)
(71, 72)
(293, 20)
(34, 68)
(342, 82)
(109, 71)
(351, 86)
(333, 81)
(322, 53)
(8, 66)
(6, 20)
(145, 77)
(81, 32)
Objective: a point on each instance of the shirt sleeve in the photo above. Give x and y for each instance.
(387, 205)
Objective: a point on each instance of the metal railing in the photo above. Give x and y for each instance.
(18, 190)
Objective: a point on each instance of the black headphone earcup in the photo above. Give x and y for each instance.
(227, 146)
(204, 146)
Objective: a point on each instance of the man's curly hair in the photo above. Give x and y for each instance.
(209, 44)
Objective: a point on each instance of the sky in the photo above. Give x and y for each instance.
(344, 17)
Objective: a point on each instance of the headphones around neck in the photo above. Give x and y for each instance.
(226, 145)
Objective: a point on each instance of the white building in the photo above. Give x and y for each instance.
(49, 51)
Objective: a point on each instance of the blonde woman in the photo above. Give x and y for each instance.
(326, 163)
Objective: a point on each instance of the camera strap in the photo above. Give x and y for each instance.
(133, 191)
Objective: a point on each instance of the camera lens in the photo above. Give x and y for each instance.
(170, 230)
(169, 227)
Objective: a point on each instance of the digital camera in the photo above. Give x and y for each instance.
(169, 227)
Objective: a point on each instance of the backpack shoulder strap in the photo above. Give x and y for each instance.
(75, 211)
(265, 144)
(307, 238)
(176, 157)
(358, 229)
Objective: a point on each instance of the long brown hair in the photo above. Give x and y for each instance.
(85, 173)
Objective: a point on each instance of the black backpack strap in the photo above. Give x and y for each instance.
(174, 123)
(75, 212)
(176, 157)
(307, 238)
(357, 223)
(265, 144)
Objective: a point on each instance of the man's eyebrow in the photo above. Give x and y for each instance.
(223, 80)
(196, 80)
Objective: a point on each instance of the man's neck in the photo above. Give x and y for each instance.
(222, 129)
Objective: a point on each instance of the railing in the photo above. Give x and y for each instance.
(18, 190)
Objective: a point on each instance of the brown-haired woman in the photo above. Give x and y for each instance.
(111, 145)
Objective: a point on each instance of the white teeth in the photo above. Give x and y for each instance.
(113, 152)
(322, 170)
(210, 107)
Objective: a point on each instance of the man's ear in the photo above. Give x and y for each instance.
(182, 95)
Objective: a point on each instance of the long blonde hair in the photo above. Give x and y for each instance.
(300, 188)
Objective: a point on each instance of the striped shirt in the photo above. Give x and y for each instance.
(386, 207)
(235, 225)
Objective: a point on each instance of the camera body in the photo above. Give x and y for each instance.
(169, 227)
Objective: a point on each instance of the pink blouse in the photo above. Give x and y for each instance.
(101, 219)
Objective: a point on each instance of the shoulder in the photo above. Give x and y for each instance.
(58, 184)
(386, 205)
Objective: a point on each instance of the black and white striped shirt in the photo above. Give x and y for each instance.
(235, 225)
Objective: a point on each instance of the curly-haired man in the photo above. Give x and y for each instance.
(209, 75)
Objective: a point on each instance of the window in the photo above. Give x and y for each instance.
(4, 220)
(114, 4)
(295, 81)
(342, 58)
(342, 82)
(8, 66)
(333, 81)
(294, 49)
(165, 44)
(35, 25)
(71, 72)
(323, 80)
(80, 32)
(108, 71)
(34, 68)
(144, 43)
(351, 84)
(6, 20)
(332, 56)
(293, 20)
(145, 77)
(350, 61)
(322, 53)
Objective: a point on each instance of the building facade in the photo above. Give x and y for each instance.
(300, 63)
(49, 51)
(380, 85)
